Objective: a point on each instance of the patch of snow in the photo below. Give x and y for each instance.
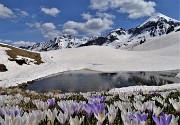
(107, 58)
(132, 89)
(156, 17)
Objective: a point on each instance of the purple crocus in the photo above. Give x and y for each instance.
(16, 112)
(99, 111)
(141, 117)
(97, 98)
(51, 102)
(163, 120)
(77, 107)
(88, 109)
(98, 108)
(13, 112)
(131, 116)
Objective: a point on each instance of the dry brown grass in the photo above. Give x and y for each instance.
(14, 52)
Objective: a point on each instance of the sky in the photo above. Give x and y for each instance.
(25, 22)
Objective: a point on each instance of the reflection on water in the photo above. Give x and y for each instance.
(86, 81)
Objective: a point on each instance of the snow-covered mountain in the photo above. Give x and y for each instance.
(64, 41)
(155, 26)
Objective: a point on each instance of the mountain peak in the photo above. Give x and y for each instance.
(158, 17)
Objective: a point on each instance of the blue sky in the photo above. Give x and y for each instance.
(25, 21)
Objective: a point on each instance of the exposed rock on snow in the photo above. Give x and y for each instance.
(3, 68)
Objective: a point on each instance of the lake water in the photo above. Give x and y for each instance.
(87, 81)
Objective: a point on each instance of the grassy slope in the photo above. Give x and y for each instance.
(14, 52)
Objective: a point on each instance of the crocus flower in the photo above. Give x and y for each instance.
(163, 120)
(99, 112)
(174, 120)
(26, 99)
(66, 106)
(96, 99)
(112, 111)
(75, 121)
(176, 104)
(33, 118)
(159, 99)
(129, 119)
(77, 107)
(51, 102)
(88, 109)
(52, 115)
(62, 117)
(141, 117)
(141, 106)
(41, 105)
(157, 110)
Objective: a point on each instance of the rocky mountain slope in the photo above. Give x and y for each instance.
(155, 26)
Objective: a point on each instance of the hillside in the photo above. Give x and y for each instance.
(165, 56)
(14, 53)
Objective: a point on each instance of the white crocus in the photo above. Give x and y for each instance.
(9, 121)
(157, 110)
(140, 106)
(52, 115)
(41, 105)
(62, 118)
(165, 94)
(159, 99)
(76, 121)
(176, 104)
(123, 106)
(112, 111)
(101, 116)
(26, 99)
(174, 120)
(139, 98)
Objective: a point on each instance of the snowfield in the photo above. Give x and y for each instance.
(158, 54)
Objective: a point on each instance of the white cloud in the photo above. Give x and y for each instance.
(24, 13)
(21, 12)
(36, 25)
(52, 34)
(18, 43)
(73, 25)
(93, 25)
(47, 29)
(100, 4)
(23, 43)
(50, 11)
(6, 41)
(86, 16)
(70, 31)
(135, 8)
(48, 26)
(5, 12)
(105, 15)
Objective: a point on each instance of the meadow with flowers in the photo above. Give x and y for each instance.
(19, 107)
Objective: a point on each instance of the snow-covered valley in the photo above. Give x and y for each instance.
(158, 54)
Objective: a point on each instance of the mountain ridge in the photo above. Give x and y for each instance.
(156, 25)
